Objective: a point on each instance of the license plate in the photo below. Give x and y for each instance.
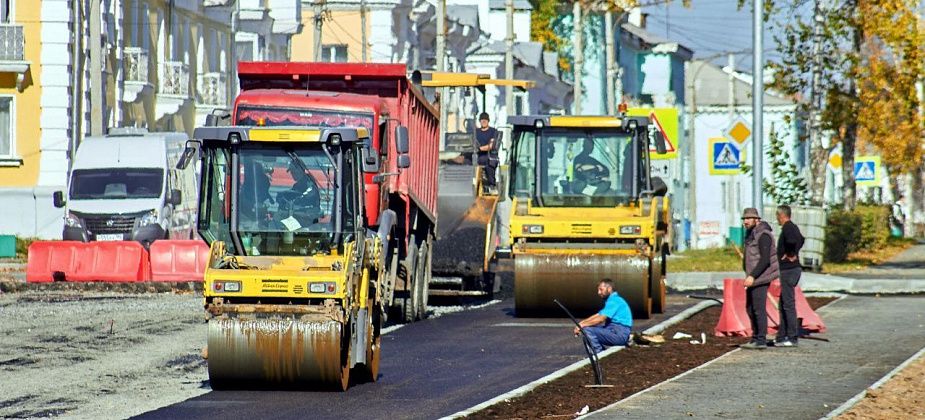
(109, 237)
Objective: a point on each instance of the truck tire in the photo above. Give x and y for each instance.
(408, 303)
(423, 272)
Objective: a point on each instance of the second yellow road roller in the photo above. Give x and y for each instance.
(583, 207)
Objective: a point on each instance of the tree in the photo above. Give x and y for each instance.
(827, 47)
(786, 185)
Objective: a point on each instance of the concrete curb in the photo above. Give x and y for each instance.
(860, 396)
(810, 282)
(579, 364)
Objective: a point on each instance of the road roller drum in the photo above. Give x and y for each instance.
(572, 279)
(281, 349)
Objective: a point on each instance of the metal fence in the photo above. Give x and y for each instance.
(174, 79)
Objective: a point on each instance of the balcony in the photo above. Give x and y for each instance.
(213, 90)
(173, 88)
(135, 73)
(12, 52)
(174, 79)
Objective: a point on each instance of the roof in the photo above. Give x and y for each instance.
(647, 40)
(711, 87)
(518, 4)
(148, 151)
(463, 14)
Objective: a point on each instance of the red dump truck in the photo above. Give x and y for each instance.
(382, 99)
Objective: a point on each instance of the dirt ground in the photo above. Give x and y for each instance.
(629, 371)
(902, 397)
(98, 354)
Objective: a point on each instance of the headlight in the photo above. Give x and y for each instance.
(533, 229)
(325, 288)
(149, 218)
(73, 221)
(630, 230)
(226, 286)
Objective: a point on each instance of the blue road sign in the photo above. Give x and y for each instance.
(726, 158)
(866, 170)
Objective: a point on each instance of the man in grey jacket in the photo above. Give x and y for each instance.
(761, 267)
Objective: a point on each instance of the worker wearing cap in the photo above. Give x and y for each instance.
(486, 136)
(613, 324)
(761, 267)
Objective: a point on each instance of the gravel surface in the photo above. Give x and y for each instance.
(903, 396)
(98, 355)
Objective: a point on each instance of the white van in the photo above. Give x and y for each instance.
(125, 186)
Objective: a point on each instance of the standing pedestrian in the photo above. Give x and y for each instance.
(788, 252)
(613, 324)
(487, 137)
(761, 267)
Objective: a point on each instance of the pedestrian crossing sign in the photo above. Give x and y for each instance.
(725, 157)
(867, 171)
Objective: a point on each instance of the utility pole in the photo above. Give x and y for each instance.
(578, 50)
(758, 106)
(815, 140)
(441, 66)
(732, 185)
(509, 58)
(692, 155)
(318, 7)
(76, 83)
(608, 48)
(363, 39)
(96, 70)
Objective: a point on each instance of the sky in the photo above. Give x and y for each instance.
(713, 28)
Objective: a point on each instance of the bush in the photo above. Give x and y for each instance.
(864, 228)
(22, 246)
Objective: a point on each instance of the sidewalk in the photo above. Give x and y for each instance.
(869, 337)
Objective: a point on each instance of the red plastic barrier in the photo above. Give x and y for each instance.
(811, 320)
(733, 321)
(48, 257)
(118, 261)
(178, 260)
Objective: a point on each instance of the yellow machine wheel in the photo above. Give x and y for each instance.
(374, 349)
(306, 350)
(572, 279)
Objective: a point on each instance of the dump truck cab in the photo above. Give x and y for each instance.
(584, 207)
(291, 255)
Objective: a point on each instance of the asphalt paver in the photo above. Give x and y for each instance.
(869, 336)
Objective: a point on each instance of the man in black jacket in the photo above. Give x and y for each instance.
(761, 267)
(788, 253)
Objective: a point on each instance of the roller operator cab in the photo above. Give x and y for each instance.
(125, 186)
(292, 280)
(583, 208)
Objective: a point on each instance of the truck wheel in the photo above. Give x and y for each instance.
(423, 279)
(409, 301)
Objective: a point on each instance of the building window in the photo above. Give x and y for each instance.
(244, 50)
(334, 53)
(7, 147)
(6, 11)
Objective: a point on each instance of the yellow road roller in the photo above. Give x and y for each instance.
(584, 207)
(292, 286)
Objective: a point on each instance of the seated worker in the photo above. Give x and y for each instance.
(486, 136)
(303, 200)
(613, 324)
(589, 172)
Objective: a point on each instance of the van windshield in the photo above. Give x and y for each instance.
(116, 183)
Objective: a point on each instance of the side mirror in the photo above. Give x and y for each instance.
(370, 158)
(659, 188)
(58, 197)
(191, 147)
(404, 161)
(175, 198)
(660, 146)
(402, 144)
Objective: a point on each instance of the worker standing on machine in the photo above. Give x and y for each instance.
(486, 136)
(613, 324)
